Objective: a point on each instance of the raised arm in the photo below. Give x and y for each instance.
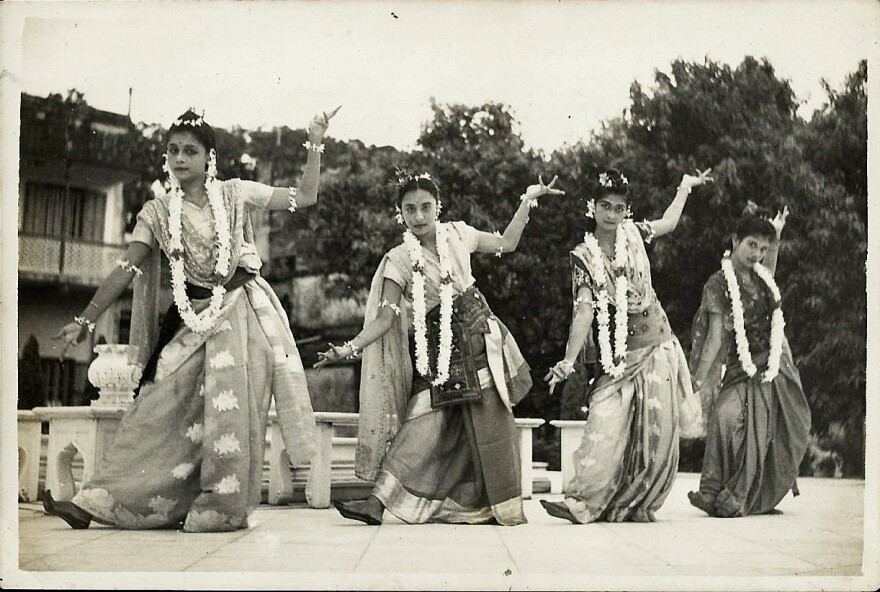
(307, 193)
(108, 292)
(672, 215)
(371, 332)
(772, 254)
(508, 242)
(581, 323)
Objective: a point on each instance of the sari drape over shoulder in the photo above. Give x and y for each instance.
(454, 463)
(627, 460)
(190, 448)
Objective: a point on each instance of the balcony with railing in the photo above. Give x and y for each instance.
(66, 260)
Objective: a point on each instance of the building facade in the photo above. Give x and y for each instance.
(74, 163)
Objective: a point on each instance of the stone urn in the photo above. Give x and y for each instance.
(113, 376)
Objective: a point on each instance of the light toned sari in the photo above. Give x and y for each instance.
(627, 460)
(190, 448)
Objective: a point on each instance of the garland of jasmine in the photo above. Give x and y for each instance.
(419, 308)
(777, 321)
(204, 321)
(613, 361)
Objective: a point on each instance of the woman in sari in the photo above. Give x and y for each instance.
(641, 403)
(453, 450)
(189, 450)
(759, 422)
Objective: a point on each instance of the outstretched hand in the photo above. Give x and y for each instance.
(536, 191)
(690, 181)
(778, 221)
(319, 124)
(335, 354)
(558, 373)
(72, 334)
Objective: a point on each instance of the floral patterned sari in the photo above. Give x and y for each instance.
(190, 448)
(627, 460)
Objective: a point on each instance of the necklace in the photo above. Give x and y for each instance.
(613, 360)
(777, 321)
(204, 321)
(416, 257)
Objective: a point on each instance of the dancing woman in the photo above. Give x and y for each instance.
(189, 450)
(642, 401)
(759, 424)
(453, 452)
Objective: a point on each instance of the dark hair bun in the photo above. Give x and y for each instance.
(195, 124)
(612, 181)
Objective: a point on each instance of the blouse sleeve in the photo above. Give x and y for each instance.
(646, 230)
(394, 271)
(143, 228)
(715, 296)
(470, 236)
(255, 194)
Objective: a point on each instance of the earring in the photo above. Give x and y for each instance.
(211, 173)
(173, 183)
(439, 209)
(591, 209)
(629, 212)
(398, 215)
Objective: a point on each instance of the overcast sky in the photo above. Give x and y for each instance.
(562, 67)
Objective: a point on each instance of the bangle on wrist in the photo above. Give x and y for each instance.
(84, 322)
(684, 188)
(94, 305)
(354, 349)
(312, 147)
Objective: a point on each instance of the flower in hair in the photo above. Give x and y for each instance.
(605, 180)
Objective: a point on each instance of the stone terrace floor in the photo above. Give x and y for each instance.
(816, 542)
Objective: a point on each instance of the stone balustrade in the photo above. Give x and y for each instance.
(29, 424)
(318, 484)
(89, 431)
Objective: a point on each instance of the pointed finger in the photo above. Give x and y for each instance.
(541, 181)
(329, 116)
(549, 376)
(553, 182)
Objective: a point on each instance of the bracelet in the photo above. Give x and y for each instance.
(354, 349)
(568, 367)
(124, 264)
(291, 199)
(390, 305)
(532, 201)
(95, 305)
(319, 148)
(681, 188)
(84, 322)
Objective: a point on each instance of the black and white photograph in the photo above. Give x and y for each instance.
(439, 295)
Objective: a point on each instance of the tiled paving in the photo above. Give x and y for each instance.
(815, 542)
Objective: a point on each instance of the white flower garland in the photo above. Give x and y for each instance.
(419, 308)
(777, 322)
(204, 321)
(613, 361)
